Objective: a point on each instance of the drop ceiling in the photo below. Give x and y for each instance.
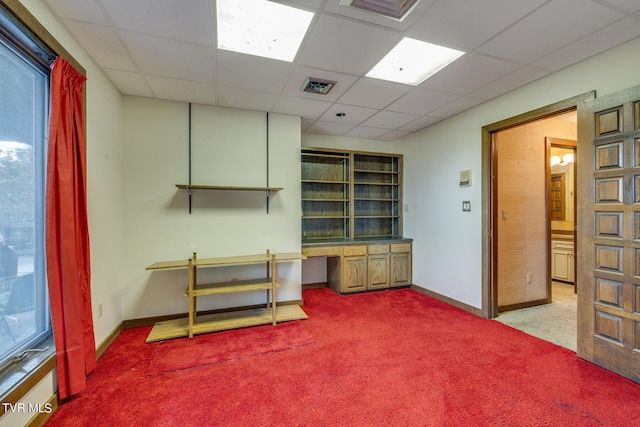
(166, 49)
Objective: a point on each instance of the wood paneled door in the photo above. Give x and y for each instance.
(609, 232)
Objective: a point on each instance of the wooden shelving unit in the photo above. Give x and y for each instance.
(197, 324)
(326, 195)
(350, 195)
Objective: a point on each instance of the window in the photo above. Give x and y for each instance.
(24, 82)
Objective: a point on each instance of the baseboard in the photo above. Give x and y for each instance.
(315, 286)
(48, 409)
(104, 345)
(522, 305)
(450, 301)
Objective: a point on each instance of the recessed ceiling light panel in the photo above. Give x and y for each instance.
(261, 28)
(413, 61)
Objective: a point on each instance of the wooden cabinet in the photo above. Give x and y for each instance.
(354, 273)
(356, 267)
(378, 266)
(562, 260)
(197, 323)
(400, 260)
(347, 195)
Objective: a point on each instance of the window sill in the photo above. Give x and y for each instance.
(20, 378)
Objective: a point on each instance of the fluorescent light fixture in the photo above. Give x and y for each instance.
(261, 28)
(413, 61)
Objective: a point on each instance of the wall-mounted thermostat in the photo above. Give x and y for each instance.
(465, 178)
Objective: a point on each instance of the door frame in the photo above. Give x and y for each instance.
(568, 144)
(489, 288)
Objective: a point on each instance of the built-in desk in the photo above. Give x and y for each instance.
(361, 265)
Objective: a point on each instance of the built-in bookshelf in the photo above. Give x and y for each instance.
(350, 195)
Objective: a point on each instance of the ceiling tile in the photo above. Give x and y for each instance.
(608, 37)
(468, 73)
(464, 24)
(246, 99)
(300, 74)
(182, 90)
(327, 128)
(251, 72)
(455, 107)
(421, 101)
(170, 58)
(393, 135)
(346, 46)
(419, 123)
(374, 93)
(389, 120)
(627, 5)
(306, 108)
(509, 82)
(188, 21)
(366, 132)
(79, 10)
(548, 29)
(129, 83)
(103, 43)
(352, 115)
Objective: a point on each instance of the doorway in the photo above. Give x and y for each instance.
(533, 216)
(490, 287)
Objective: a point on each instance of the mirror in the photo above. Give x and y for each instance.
(562, 191)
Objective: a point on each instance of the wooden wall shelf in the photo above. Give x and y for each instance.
(226, 188)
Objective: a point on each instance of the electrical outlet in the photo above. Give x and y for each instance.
(99, 310)
(529, 277)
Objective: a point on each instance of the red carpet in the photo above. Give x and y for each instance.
(174, 355)
(395, 358)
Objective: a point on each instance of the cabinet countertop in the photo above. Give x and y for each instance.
(361, 241)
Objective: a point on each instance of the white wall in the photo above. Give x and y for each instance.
(228, 149)
(447, 249)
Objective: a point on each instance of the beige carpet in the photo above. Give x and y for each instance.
(555, 322)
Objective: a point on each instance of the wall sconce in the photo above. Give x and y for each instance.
(566, 159)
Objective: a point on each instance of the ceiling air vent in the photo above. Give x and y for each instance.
(396, 9)
(318, 86)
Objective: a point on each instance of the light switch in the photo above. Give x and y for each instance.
(466, 206)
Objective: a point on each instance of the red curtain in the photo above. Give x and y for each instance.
(67, 232)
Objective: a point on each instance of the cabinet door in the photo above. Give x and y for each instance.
(400, 269)
(378, 271)
(562, 265)
(355, 274)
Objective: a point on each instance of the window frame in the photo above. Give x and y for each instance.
(19, 379)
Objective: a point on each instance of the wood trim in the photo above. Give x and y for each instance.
(29, 382)
(106, 343)
(466, 307)
(40, 32)
(523, 305)
(41, 418)
(489, 293)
